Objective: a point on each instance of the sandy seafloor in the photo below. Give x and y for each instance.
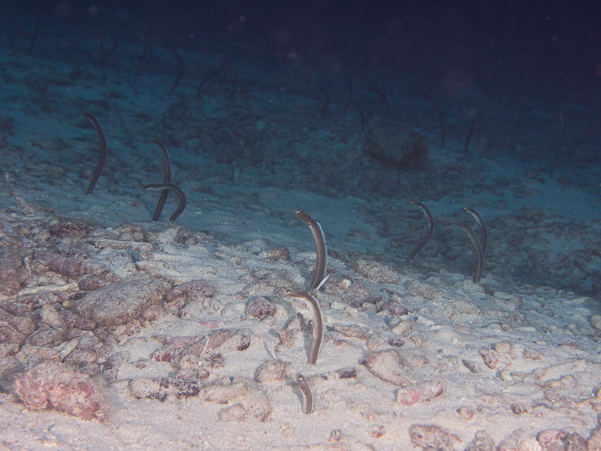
(515, 354)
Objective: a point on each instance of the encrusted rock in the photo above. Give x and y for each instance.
(356, 294)
(388, 366)
(55, 386)
(72, 266)
(278, 253)
(396, 309)
(9, 335)
(120, 303)
(73, 320)
(425, 290)
(13, 273)
(195, 288)
(72, 229)
(24, 324)
(47, 336)
(237, 341)
(261, 308)
(160, 388)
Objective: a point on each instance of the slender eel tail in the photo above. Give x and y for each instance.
(166, 179)
(477, 250)
(102, 157)
(317, 328)
(306, 391)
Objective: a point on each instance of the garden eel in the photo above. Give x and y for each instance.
(481, 224)
(320, 245)
(317, 325)
(102, 141)
(425, 239)
(306, 391)
(172, 187)
(477, 250)
(166, 179)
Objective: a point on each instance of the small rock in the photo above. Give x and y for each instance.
(519, 440)
(482, 442)
(375, 271)
(519, 408)
(222, 394)
(403, 327)
(256, 404)
(237, 412)
(9, 335)
(495, 360)
(261, 308)
(432, 437)
(465, 413)
(575, 442)
(278, 253)
(388, 366)
(472, 366)
(51, 317)
(356, 294)
(396, 309)
(253, 400)
(347, 373)
(335, 436)
(376, 431)
(418, 393)
(596, 321)
(272, 371)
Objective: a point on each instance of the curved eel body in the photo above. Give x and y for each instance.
(306, 391)
(320, 245)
